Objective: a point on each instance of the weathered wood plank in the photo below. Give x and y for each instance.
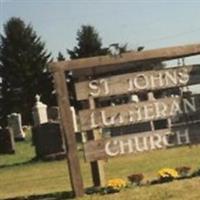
(68, 131)
(142, 142)
(161, 54)
(140, 81)
(97, 167)
(133, 113)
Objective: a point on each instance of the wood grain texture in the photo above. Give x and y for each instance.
(161, 54)
(134, 113)
(69, 135)
(97, 167)
(119, 146)
(154, 80)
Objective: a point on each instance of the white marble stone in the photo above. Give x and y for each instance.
(39, 112)
(15, 123)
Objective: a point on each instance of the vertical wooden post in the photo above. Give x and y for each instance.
(151, 97)
(97, 167)
(69, 134)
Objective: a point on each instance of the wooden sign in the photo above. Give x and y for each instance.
(133, 113)
(124, 114)
(68, 133)
(132, 57)
(140, 81)
(142, 142)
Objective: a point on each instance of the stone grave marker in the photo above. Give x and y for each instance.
(39, 112)
(48, 141)
(15, 123)
(7, 143)
(53, 113)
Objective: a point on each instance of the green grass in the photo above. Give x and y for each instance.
(177, 190)
(24, 153)
(19, 176)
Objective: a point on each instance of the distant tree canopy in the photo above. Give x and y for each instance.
(88, 43)
(60, 57)
(23, 69)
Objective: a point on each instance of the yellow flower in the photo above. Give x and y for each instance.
(117, 183)
(168, 172)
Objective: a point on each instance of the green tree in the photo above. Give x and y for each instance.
(88, 43)
(23, 68)
(60, 57)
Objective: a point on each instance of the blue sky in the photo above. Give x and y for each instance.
(151, 23)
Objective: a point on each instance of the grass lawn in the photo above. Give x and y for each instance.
(21, 176)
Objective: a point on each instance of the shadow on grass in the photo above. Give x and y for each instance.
(88, 191)
(51, 196)
(31, 161)
(36, 160)
(56, 195)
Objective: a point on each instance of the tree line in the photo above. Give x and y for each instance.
(23, 65)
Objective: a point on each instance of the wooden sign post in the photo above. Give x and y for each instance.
(69, 134)
(97, 167)
(110, 83)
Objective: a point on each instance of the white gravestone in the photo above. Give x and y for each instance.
(39, 112)
(134, 98)
(15, 123)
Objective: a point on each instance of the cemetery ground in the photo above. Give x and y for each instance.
(22, 176)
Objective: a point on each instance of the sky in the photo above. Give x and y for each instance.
(149, 23)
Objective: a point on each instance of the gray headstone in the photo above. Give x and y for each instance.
(15, 123)
(53, 113)
(7, 143)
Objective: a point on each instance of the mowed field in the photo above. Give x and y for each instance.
(20, 176)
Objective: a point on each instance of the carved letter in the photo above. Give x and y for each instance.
(171, 78)
(141, 144)
(166, 140)
(105, 85)
(130, 84)
(94, 86)
(156, 80)
(175, 108)
(107, 121)
(189, 106)
(110, 150)
(141, 81)
(131, 116)
(138, 113)
(161, 109)
(92, 119)
(127, 143)
(183, 76)
(183, 135)
(148, 112)
(156, 144)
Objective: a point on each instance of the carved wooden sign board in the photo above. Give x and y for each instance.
(181, 111)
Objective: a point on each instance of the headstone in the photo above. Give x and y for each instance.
(15, 123)
(75, 124)
(39, 112)
(47, 139)
(134, 98)
(7, 143)
(53, 113)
